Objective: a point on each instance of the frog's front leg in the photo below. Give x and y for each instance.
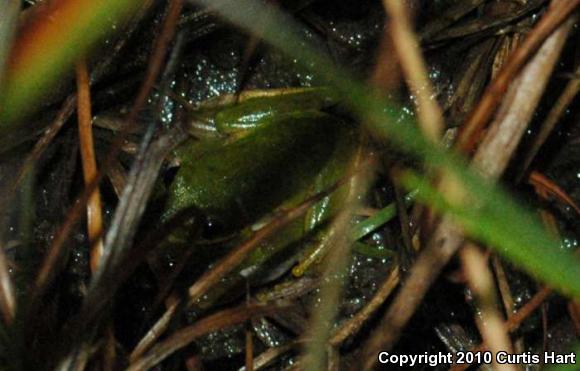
(282, 159)
(313, 227)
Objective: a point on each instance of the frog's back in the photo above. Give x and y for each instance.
(241, 181)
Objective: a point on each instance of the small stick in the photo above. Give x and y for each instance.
(413, 65)
(557, 111)
(157, 58)
(49, 134)
(537, 179)
(87, 148)
(490, 323)
(186, 335)
(7, 297)
(353, 325)
(249, 339)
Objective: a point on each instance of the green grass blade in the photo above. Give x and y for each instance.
(497, 224)
(49, 49)
(381, 217)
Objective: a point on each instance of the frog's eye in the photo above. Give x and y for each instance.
(213, 228)
(169, 175)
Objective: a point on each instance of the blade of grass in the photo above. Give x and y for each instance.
(484, 223)
(335, 270)
(8, 21)
(380, 218)
(48, 46)
(572, 366)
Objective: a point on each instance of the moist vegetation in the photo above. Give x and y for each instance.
(64, 319)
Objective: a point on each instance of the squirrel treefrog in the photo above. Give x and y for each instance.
(276, 149)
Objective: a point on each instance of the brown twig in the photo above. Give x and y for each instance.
(514, 321)
(120, 261)
(87, 148)
(117, 177)
(519, 106)
(503, 285)
(407, 47)
(157, 58)
(183, 337)
(48, 266)
(556, 112)
(154, 332)
(490, 322)
(509, 304)
(539, 180)
(574, 311)
(448, 17)
(547, 217)
(353, 325)
(248, 58)
(49, 134)
(249, 350)
(271, 354)
(7, 297)
(422, 274)
(486, 24)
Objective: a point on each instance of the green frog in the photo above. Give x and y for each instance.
(269, 151)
